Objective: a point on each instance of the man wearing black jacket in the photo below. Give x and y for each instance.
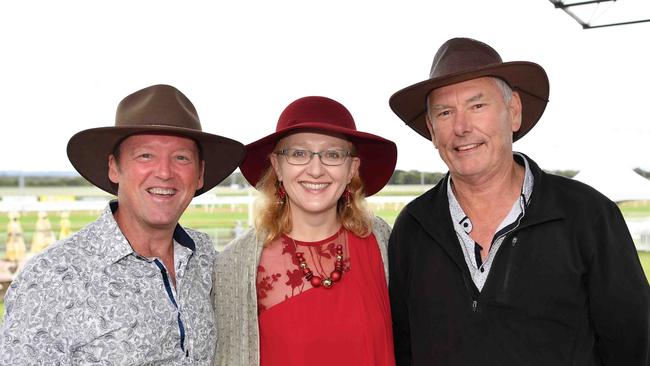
(501, 263)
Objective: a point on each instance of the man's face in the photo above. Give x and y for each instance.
(158, 176)
(471, 125)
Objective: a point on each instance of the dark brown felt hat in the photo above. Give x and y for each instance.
(327, 116)
(157, 109)
(462, 59)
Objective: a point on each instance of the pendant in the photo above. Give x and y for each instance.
(317, 281)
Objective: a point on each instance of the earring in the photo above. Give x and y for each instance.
(280, 194)
(347, 196)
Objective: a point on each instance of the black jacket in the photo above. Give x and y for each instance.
(565, 288)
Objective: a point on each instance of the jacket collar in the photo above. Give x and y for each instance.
(112, 245)
(431, 211)
(544, 204)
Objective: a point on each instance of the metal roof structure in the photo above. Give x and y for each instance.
(605, 13)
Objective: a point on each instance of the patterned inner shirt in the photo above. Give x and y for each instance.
(478, 268)
(91, 299)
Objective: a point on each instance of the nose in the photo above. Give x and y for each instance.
(164, 169)
(462, 124)
(315, 166)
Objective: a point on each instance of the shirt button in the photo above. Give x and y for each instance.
(514, 241)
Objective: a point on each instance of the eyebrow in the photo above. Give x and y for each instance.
(474, 98)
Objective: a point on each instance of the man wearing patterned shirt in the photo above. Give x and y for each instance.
(133, 287)
(501, 263)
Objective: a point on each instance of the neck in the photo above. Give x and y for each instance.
(146, 241)
(313, 227)
(478, 194)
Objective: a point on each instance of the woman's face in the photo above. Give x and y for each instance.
(314, 188)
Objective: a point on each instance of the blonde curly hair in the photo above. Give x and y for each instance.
(272, 218)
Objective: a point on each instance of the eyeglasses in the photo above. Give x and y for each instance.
(330, 157)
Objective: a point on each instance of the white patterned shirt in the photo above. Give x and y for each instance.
(478, 268)
(90, 299)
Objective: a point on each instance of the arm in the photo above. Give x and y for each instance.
(398, 289)
(30, 333)
(619, 296)
(236, 302)
(381, 230)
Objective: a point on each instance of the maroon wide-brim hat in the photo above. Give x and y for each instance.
(158, 109)
(323, 115)
(462, 59)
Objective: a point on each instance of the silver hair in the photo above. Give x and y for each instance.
(506, 90)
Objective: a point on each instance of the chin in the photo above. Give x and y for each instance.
(163, 221)
(318, 208)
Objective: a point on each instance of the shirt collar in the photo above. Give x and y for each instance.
(458, 216)
(114, 246)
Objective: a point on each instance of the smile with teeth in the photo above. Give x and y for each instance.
(467, 147)
(314, 186)
(162, 191)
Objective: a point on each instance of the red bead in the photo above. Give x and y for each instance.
(319, 281)
(315, 281)
(335, 276)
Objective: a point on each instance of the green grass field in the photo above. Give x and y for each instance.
(645, 262)
(638, 209)
(225, 217)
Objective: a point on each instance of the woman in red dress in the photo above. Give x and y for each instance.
(308, 284)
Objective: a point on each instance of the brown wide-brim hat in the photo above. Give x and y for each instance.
(462, 59)
(323, 115)
(158, 109)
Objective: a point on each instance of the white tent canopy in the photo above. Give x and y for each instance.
(618, 184)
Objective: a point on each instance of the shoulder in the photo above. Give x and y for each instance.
(243, 243)
(57, 257)
(422, 205)
(202, 241)
(48, 282)
(574, 194)
(381, 229)
(240, 252)
(424, 201)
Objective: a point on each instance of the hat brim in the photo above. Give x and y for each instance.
(88, 152)
(527, 78)
(378, 155)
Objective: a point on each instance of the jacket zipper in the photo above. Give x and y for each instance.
(472, 294)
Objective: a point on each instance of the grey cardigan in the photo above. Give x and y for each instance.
(235, 296)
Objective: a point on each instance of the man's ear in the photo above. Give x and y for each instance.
(514, 108)
(113, 169)
(430, 128)
(201, 175)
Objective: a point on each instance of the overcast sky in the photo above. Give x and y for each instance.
(65, 65)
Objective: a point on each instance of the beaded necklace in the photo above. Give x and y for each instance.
(320, 279)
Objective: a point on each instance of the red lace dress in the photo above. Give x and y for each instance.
(347, 324)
